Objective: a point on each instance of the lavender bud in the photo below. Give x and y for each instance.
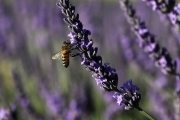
(128, 96)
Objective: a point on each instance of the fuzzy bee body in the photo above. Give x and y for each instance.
(64, 54)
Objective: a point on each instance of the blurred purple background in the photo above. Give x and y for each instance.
(35, 87)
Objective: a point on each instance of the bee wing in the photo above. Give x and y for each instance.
(57, 55)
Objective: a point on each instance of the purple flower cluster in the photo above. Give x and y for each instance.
(8, 114)
(129, 97)
(147, 41)
(104, 75)
(174, 15)
(165, 6)
(4, 114)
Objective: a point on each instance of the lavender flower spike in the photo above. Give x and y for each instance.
(129, 96)
(104, 75)
(147, 41)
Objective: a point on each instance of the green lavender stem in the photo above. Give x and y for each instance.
(145, 113)
(139, 109)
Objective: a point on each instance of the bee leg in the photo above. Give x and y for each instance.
(74, 55)
(73, 48)
(76, 47)
(80, 48)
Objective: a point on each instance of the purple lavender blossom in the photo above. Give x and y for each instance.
(129, 96)
(8, 113)
(147, 41)
(165, 6)
(104, 75)
(174, 15)
(4, 114)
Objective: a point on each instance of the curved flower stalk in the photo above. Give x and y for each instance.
(104, 75)
(148, 42)
(164, 6)
(174, 18)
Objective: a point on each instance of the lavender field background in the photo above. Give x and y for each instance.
(35, 87)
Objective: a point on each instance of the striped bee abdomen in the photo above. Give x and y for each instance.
(65, 58)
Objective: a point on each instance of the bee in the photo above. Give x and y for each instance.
(65, 53)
